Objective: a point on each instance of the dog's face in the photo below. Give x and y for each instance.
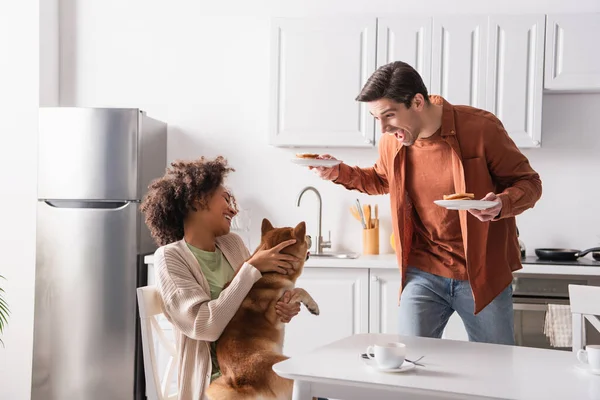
(271, 237)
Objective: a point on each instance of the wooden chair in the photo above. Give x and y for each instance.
(585, 305)
(149, 304)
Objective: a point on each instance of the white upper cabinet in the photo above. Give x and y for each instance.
(459, 59)
(572, 52)
(515, 75)
(406, 39)
(318, 67)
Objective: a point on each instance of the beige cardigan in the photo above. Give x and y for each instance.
(196, 318)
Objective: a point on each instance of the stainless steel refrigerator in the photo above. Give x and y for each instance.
(95, 165)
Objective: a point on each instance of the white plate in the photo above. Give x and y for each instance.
(406, 366)
(313, 162)
(588, 369)
(466, 204)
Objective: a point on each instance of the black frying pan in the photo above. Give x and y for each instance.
(562, 254)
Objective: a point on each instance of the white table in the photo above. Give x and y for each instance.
(453, 370)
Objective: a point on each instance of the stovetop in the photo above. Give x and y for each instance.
(582, 262)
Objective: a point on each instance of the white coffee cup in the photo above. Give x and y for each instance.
(590, 356)
(389, 355)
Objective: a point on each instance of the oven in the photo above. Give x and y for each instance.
(531, 296)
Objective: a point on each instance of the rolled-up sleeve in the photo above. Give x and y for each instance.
(372, 180)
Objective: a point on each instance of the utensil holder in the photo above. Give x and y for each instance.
(371, 241)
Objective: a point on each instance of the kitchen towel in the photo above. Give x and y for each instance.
(558, 325)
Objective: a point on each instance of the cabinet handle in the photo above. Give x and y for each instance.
(368, 141)
(374, 278)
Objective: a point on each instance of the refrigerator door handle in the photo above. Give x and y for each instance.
(107, 204)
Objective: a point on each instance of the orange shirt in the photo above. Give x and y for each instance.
(437, 246)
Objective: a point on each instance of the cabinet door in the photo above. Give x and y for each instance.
(515, 71)
(342, 296)
(383, 300)
(318, 67)
(572, 56)
(459, 59)
(406, 39)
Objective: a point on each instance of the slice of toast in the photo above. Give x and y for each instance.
(306, 155)
(459, 196)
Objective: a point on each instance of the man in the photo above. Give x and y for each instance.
(449, 260)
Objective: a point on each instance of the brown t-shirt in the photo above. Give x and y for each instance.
(437, 246)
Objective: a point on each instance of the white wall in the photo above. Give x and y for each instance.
(18, 132)
(568, 215)
(203, 67)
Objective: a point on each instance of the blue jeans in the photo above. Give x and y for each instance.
(428, 301)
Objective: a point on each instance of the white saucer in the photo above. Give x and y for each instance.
(466, 204)
(406, 366)
(588, 369)
(314, 162)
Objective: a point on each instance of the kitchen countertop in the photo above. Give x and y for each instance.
(581, 262)
(531, 265)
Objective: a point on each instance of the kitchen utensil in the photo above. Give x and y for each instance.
(367, 213)
(416, 362)
(362, 217)
(562, 254)
(376, 216)
(355, 213)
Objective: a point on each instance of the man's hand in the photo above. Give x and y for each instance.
(285, 310)
(328, 173)
(490, 213)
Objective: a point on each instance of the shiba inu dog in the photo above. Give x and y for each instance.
(252, 342)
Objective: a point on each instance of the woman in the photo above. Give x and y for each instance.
(189, 212)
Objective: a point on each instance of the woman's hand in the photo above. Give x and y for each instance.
(272, 260)
(286, 311)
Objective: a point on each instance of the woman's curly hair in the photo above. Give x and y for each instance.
(184, 185)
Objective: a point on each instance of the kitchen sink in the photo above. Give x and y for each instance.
(335, 255)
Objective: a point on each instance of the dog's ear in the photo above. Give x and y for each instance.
(266, 226)
(300, 231)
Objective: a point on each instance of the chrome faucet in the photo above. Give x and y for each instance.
(321, 244)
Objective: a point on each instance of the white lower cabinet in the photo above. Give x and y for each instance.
(343, 298)
(383, 300)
